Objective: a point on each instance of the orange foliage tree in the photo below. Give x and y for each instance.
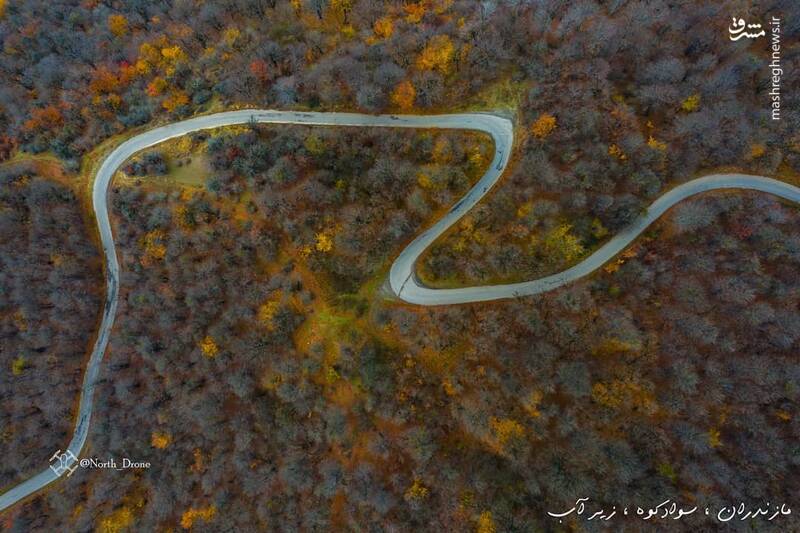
(259, 69)
(104, 81)
(44, 117)
(414, 12)
(403, 95)
(543, 126)
(383, 27)
(175, 100)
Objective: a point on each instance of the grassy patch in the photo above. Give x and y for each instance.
(192, 173)
(504, 94)
(186, 164)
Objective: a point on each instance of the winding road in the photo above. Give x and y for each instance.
(402, 280)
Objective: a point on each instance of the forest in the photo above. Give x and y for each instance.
(291, 395)
(257, 361)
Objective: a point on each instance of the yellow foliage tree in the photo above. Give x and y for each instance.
(179, 147)
(324, 242)
(437, 55)
(231, 35)
(209, 347)
(714, 439)
(268, 310)
(543, 126)
(314, 144)
(611, 347)
(173, 54)
(598, 229)
(616, 151)
(417, 491)
(506, 429)
(424, 180)
(561, 243)
(114, 100)
(442, 150)
(116, 522)
(486, 523)
(533, 402)
(692, 103)
(150, 54)
(403, 95)
(154, 247)
(199, 462)
(164, 58)
(20, 320)
(206, 514)
(624, 394)
(2, 8)
(160, 440)
(142, 67)
(524, 209)
(655, 144)
(476, 155)
(18, 365)
(342, 8)
(757, 150)
(118, 25)
(440, 6)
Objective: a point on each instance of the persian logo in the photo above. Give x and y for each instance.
(63, 462)
(737, 30)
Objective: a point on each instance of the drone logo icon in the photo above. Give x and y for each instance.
(63, 462)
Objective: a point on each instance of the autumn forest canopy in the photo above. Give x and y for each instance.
(77, 73)
(258, 359)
